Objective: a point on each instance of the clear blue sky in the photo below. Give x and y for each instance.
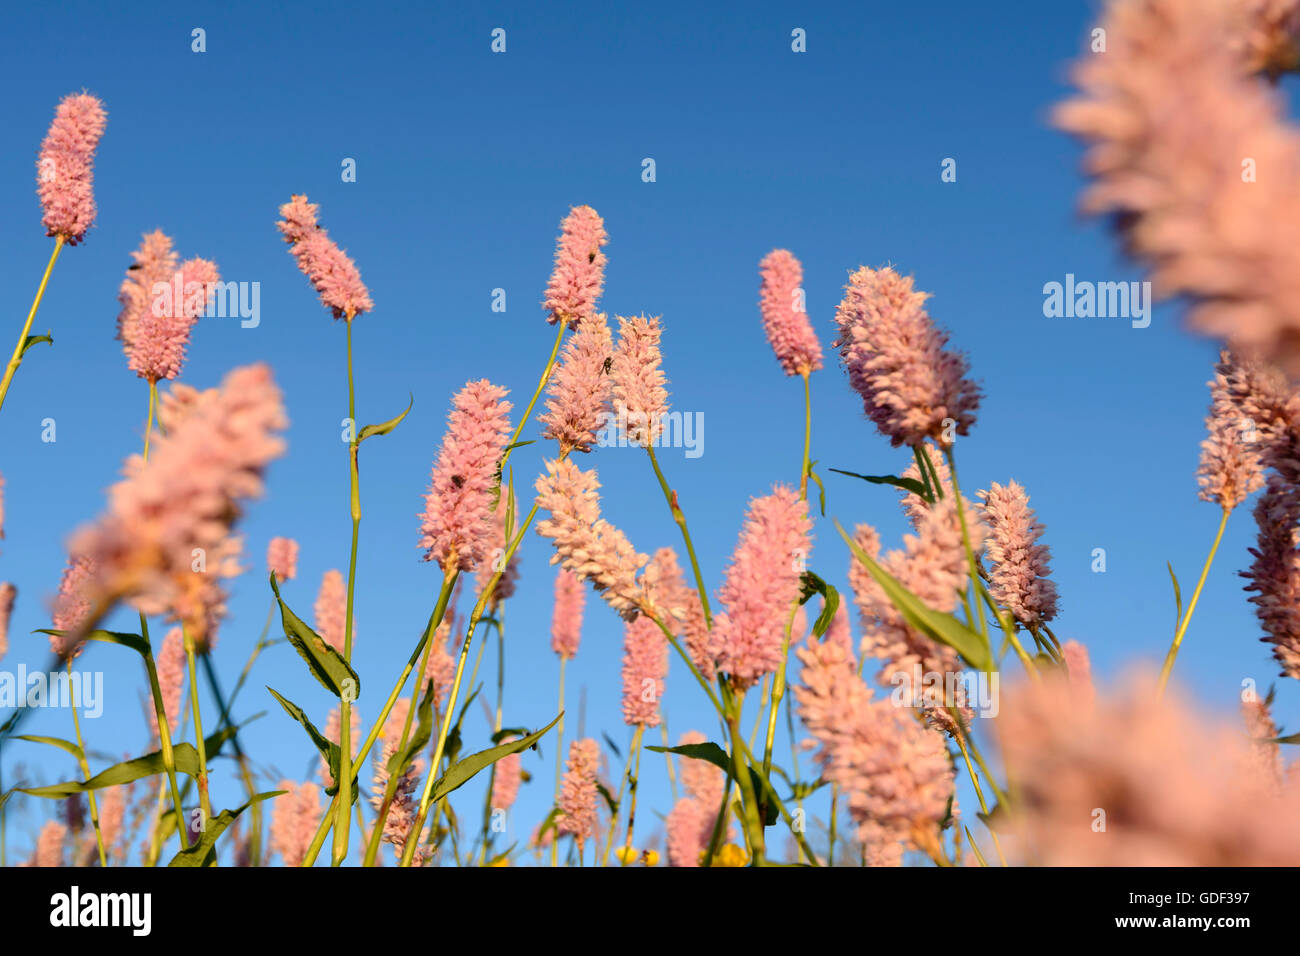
(466, 163)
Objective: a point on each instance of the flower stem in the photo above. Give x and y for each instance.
(164, 738)
(679, 517)
(618, 800)
(559, 759)
(807, 435)
(634, 764)
(1168, 667)
(17, 358)
(85, 769)
(343, 811)
(205, 804)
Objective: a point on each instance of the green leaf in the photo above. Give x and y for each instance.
(327, 665)
(35, 340)
(398, 762)
(1178, 597)
(943, 628)
(329, 750)
(461, 772)
(200, 853)
(771, 814)
(187, 762)
(811, 584)
(907, 484)
(609, 799)
(548, 823)
(613, 746)
(65, 745)
(505, 732)
(821, 489)
(1290, 739)
(133, 641)
(706, 751)
(383, 428)
(519, 444)
(801, 789)
(995, 819)
(492, 861)
(975, 848)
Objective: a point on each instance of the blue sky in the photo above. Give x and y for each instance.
(466, 162)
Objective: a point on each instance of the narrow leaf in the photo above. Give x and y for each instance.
(383, 428)
(65, 745)
(461, 772)
(907, 484)
(327, 665)
(205, 846)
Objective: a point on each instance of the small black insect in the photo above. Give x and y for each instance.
(609, 363)
(132, 267)
(458, 481)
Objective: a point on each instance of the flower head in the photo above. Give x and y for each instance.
(331, 610)
(456, 528)
(7, 594)
(645, 665)
(171, 681)
(282, 558)
(507, 773)
(496, 552)
(761, 586)
(579, 272)
(578, 791)
(65, 171)
(566, 619)
(294, 820)
(333, 275)
(578, 396)
(640, 399)
(1274, 575)
(911, 383)
(585, 543)
(785, 320)
(1019, 572)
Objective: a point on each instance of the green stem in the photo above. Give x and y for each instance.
(979, 791)
(241, 758)
(679, 517)
(807, 435)
(965, 538)
(496, 725)
(164, 737)
(85, 769)
(17, 358)
(343, 810)
(559, 761)
(634, 763)
(618, 800)
(205, 804)
(541, 384)
(1168, 667)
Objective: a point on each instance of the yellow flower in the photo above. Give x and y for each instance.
(650, 858)
(626, 855)
(731, 855)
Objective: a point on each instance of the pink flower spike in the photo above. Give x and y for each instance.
(331, 610)
(282, 558)
(566, 620)
(333, 275)
(640, 399)
(456, 529)
(578, 791)
(785, 319)
(171, 681)
(898, 361)
(508, 773)
(294, 820)
(1019, 572)
(65, 170)
(762, 586)
(645, 665)
(577, 402)
(7, 595)
(579, 272)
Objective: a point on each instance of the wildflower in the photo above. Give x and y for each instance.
(282, 558)
(333, 275)
(784, 319)
(577, 814)
(506, 779)
(640, 399)
(578, 395)
(171, 665)
(1019, 572)
(65, 170)
(645, 664)
(566, 618)
(579, 274)
(331, 610)
(294, 820)
(7, 594)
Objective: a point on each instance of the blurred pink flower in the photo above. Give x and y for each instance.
(1079, 671)
(440, 672)
(171, 666)
(585, 543)
(1274, 574)
(666, 589)
(578, 396)
(566, 619)
(690, 826)
(640, 399)
(161, 300)
(895, 773)
(579, 274)
(332, 273)
(1137, 780)
(294, 820)
(1176, 128)
(1018, 565)
(7, 594)
(282, 558)
(911, 383)
(72, 605)
(1232, 454)
(506, 779)
(456, 527)
(495, 551)
(50, 844)
(164, 543)
(761, 586)
(65, 169)
(700, 779)
(785, 319)
(645, 665)
(578, 792)
(331, 610)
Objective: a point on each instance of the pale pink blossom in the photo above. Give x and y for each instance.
(331, 610)
(1194, 158)
(1232, 454)
(912, 385)
(282, 558)
(1274, 574)
(579, 274)
(1019, 574)
(578, 397)
(72, 605)
(161, 299)
(640, 399)
(294, 820)
(566, 617)
(585, 543)
(894, 772)
(440, 671)
(689, 826)
(761, 586)
(506, 779)
(456, 528)
(1176, 788)
(50, 844)
(1078, 668)
(171, 666)
(1262, 733)
(333, 275)
(700, 779)
(785, 320)
(65, 170)
(164, 544)
(7, 594)
(666, 589)
(578, 792)
(914, 506)
(496, 552)
(645, 665)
